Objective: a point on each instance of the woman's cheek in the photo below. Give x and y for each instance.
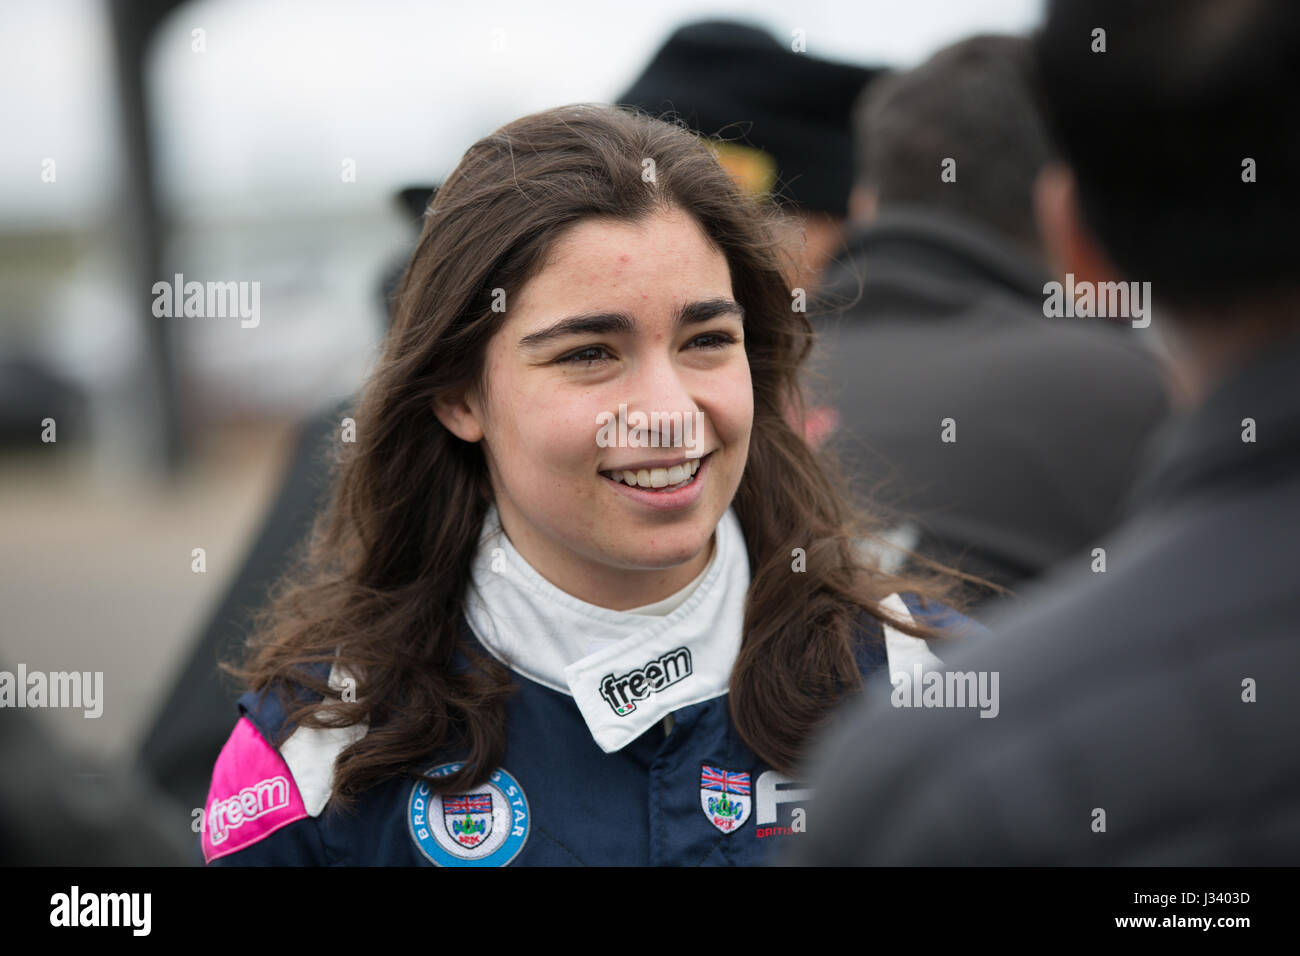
(738, 410)
(569, 442)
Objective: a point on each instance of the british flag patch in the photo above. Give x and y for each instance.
(724, 797)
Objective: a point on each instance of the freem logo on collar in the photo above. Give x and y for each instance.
(622, 692)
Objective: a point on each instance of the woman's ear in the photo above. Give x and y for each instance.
(460, 415)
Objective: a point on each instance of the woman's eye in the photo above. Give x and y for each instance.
(598, 353)
(713, 340)
(592, 353)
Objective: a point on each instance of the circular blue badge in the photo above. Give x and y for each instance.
(487, 826)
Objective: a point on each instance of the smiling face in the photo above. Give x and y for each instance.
(640, 315)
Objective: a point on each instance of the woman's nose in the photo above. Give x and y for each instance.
(662, 396)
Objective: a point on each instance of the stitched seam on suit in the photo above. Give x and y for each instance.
(551, 837)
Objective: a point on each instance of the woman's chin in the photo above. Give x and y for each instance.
(660, 553)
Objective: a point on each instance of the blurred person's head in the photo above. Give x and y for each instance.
(1177, 124)
(411, 202)
(779, 120)
(578, 260)
(972, 103)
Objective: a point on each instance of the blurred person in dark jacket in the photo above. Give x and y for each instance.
(1147, 708)
(1002, 440)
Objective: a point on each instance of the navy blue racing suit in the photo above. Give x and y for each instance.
(688, 794)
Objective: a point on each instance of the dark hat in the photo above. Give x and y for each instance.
(414, 200)
(784, 118)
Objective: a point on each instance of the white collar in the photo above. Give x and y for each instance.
(625, 670)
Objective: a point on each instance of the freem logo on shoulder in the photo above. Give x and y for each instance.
(248, 804)
(623, 691)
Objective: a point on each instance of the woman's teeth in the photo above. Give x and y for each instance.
(657, 477)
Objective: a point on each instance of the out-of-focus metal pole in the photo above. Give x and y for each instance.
(143, 239)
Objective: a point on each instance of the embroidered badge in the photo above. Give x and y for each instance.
(622, 692)
(724, 797)
(486, 827)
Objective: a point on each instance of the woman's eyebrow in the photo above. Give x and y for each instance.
(614, 323)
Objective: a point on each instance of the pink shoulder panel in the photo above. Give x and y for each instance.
(252, 794)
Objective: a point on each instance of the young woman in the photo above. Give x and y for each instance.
(582, 594)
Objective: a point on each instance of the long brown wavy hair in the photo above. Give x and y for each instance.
(379, 587)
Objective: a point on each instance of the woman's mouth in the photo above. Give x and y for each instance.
(668, 486)
(658, 479)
